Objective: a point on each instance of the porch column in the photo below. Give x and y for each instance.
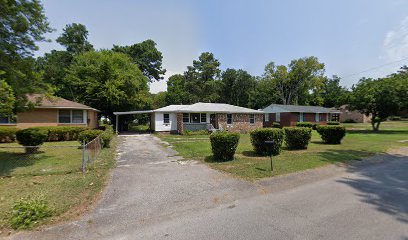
(180, 125)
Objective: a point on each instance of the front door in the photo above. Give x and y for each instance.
(213, 121)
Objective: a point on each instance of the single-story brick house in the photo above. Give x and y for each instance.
(198, 116)
(289, 115)
(53, 111)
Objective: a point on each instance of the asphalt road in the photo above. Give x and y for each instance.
(153, 196)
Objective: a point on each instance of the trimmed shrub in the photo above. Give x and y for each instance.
(224, 145)
(297, 137)
(8, 134)
(62, 133)
(315, 126)
(349, 121)
(107, 136)
(332, 134)
(304, 124)
(276, 125)
(89, 135)
(333, 123)
(199, 132)
(31, 137)
(259, 136)
(27, 212)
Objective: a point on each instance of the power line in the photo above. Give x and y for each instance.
(374, 68)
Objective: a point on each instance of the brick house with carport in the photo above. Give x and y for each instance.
(199, 116)
(289, 115)
(53, 111)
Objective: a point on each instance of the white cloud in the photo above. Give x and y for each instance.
(396, 42)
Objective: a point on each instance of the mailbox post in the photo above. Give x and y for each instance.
(269, 149)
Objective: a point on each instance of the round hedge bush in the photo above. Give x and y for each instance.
(31, 137)
(259, 136)
(89, 135)
(224, 145)
(276, 125)
(304, 124)
(297, 137)
(332, 134)
(333, 123)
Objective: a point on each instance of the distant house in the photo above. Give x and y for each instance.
(289, 115)
(53, 111)
(201, 116)
(355, 116)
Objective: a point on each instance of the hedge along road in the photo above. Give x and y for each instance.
(153, 196)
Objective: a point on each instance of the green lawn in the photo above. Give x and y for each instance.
(54, 174)
(357, 144)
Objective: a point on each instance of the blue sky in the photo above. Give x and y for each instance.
(349, 36)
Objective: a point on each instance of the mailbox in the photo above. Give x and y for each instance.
(269, 147)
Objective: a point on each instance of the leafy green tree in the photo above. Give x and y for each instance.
(75, 38)
(236, 86)
(23, 23)
(147, 57)
(108, 81)
(333, 94)
(377, 98)
(295, 82)
(54, 67)
(159, 100)
(264, 94)
(7, 99)
(176, 90)
(201, 78)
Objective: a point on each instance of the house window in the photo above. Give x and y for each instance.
(251, 118)
(278, 117)
(229, 118)
(70, 116)
(166, 118)
(64, 116)
(195, 117)
(77, 116)
(6, 120)
(266, 117)
(203, 117)
(300, 117)
(317, 117)
(186, 117)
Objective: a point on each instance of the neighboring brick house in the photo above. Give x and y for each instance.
(199, 116)
(289, 115)
(356, 116)
(54, 111)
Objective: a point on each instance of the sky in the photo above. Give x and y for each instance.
(353, 38)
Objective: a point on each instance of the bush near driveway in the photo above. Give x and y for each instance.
(7, 134)
(89, 135)
(31, 137)
(224, 145)
(259, 136)
(27, 212)
(332, 134)
(297, 137)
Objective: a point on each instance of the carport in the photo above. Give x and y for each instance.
(117, 114)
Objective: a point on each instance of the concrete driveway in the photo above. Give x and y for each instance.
(153, 196)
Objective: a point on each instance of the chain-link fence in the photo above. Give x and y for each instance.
(90, 151)
(49, 158)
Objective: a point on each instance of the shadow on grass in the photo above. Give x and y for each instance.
(385, 186)
(351, 131)
(210, 159)
(11, 160)
(342, 156)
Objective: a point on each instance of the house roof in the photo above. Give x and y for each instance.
(207, 107)
(43, 101)
(297, 108)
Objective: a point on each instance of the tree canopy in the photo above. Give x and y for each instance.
(75, 38)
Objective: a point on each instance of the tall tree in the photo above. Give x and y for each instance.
(176, 90)
(108, 81)
(147, 57)
(159, 100)
(201, 78)
(377, 98)
(236, 86)
(75, 38)
(333, 94)
(295, 82)
(23, 23)
(7, 99)
(264, 94)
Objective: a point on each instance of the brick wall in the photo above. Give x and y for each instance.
(180, 125)
(354, 115)
(240, 122)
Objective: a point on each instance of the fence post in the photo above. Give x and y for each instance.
(83, 157)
